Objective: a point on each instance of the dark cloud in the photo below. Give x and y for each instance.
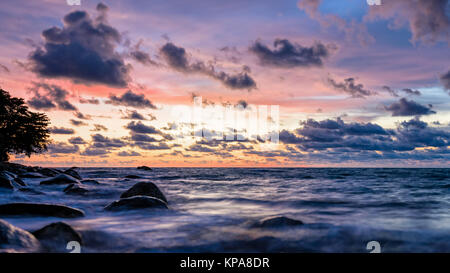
(100, 141)
(94, 152)
(407, 91)
(410, 91)
(62, 148)
(406, 107)
(428, 20)
(140, 128)
(130, 153)
(391, 91)
(148, 146)
(80, 115)
(83, 50)
(49, 97)
(78, 122)
(131, 99)
(445, 80)
(62, 131)
(350, 87)
(140, 56)
(143, 138)
(288, 55)
(4, 68)
(133, 115)
(419, 134)
(98, 128)
(77, 140)
(89, 101)
(177, 59)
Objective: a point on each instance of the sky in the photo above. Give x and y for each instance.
(303, 83)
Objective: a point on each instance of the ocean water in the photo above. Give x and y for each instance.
(212, 209)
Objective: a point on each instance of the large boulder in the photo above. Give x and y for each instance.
(14, 239)
(277, 222)
(73, 173)
(144, 168)
(75, 189)
(132, 176)
(146, 189)
(31, 175)
(90, 182)
(60, 179)
(55, 236)
(38, 209)
(136, 202)
(49, 172)
(5, 183)
(19, 182)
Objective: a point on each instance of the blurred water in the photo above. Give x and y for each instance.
(406, 210)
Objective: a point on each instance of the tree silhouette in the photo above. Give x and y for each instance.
(21, 131)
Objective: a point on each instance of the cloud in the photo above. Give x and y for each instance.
(352, 29)
(140, 128)
(76, 140)
(143, 138)
(445, 80)
(83, 50)
(406, 107)
(4, 68)
(350, 87)
(100, 141)
(78, 122)
(177, 59)
(140, 56)
(53, 97)
(148, 146)
(80, 115)
(410, 91)
(89, 101)
(62, 131)
(288, 55)
(133, 115)
(94, 152)
(428, 20)
(130, 153)
(62, 148)
(407, 91)
(98, 128)
(131, 99)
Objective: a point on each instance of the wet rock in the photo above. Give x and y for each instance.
(136, 202)
(31, 175)
(19, 181)
(60, 179)
(49, 172)
(132, 176)
(73, 173)
(144, 168)
(90, 182)
(38, 209)
(14, 239)
(75, 189)
(30, 190)
(277, 222)
(55, 236)
(5, 183)
(146, 189)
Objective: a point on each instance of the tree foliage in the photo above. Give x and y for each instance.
(21, 131)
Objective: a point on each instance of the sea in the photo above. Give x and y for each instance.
(213, 210)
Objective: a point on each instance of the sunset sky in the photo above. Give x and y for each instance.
(356, 85)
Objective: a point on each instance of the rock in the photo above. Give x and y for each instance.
(75, 189)
(73, 173)
(60, 179)
(136, 202)
(49, 172)
(277, 222)
(37, 209)
(90, 182)
(55, 236)
(5, 183)
(146, 189)
(19, 181)
(31, 175)
(14, 239)
(144, 168)
(132, 176)
(30, 190)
